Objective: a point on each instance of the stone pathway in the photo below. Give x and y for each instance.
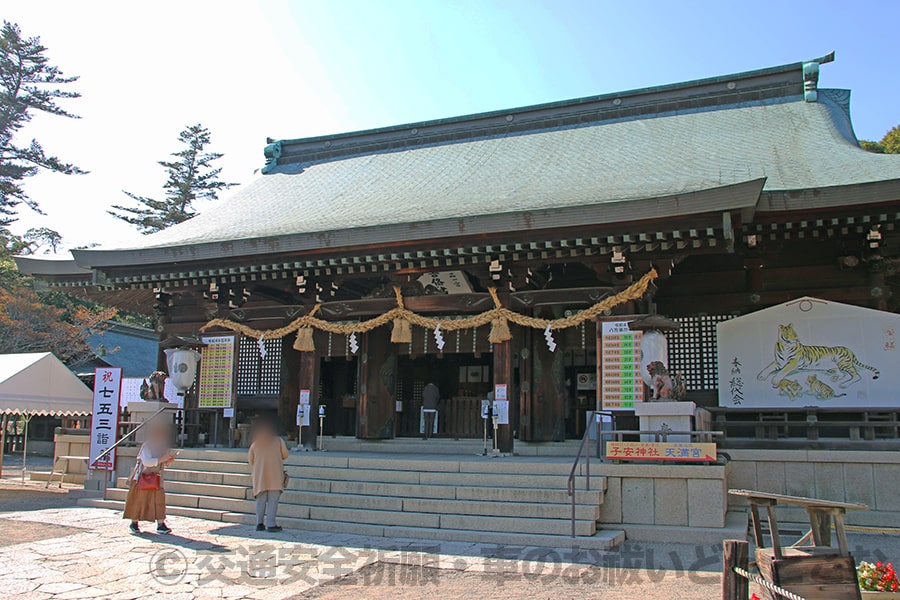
(68, 552)
(75, 552)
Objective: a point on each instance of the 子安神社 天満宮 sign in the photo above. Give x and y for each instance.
(662, 451)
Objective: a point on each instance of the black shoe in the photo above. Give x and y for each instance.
(260, 527)
(274, 529)
(163, 528)
(134, 528)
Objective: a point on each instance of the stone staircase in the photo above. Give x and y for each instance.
(516, 501)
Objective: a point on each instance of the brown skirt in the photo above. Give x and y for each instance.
(145, 505)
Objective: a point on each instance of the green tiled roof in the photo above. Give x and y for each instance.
(576, 154)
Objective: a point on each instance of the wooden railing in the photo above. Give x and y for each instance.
(808, 427)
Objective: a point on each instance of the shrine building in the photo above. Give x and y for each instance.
(743, 192)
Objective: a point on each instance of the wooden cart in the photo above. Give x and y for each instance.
(816, 571)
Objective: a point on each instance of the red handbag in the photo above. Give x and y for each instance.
(148, 482)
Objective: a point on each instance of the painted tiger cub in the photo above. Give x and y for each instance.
(822, 391)
(790, 388)
(792, 356)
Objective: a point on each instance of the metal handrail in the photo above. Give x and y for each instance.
(570, 486)
(106, 452)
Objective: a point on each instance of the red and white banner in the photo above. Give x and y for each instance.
(105, 416)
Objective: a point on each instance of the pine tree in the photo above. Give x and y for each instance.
(191, 177)
(28, 84)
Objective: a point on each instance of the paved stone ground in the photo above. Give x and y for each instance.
(50, 548)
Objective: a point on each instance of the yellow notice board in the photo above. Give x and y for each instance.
(662, 451)
(216, 380)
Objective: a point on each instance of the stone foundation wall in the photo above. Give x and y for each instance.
(872, 478)
(67, 444)
(664, 495)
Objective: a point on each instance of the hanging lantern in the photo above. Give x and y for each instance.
(499, 331)
(304, 341)
(182, 364)
(402, 332)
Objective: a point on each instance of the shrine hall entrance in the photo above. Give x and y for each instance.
(464, 380)
(339, 392)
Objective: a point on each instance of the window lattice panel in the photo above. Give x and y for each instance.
(257, 375)
(692, 351)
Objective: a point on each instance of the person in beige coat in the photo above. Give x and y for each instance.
(266, 458)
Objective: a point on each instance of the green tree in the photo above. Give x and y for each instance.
(889, 144)
(29, 84)
(191, 177)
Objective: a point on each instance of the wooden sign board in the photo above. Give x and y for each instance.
(662, 451)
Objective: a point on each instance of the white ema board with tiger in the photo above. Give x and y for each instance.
(809, 352)
(792, 358)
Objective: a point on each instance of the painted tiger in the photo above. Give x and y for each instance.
(820, 390)
(792, 356)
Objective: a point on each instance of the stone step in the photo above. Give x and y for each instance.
(537, 522)
(233, 479)
(446, 446)
(43, 476)
(555, 482)
(520, 510)
(215, 466)
(444, 464)
(449, 492)
(236, 462)
(199, 489)
(465, 501)
(230, 484)
(602, 540)
(182, 511)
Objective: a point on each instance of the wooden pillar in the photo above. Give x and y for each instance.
(377, 385)
(503, 374)
(290, 386)
(548, 391)
(309, 380)
(526, 362)
(735, 553)
(876, 281)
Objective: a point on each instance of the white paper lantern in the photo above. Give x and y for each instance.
(182, 363)
(654, 347)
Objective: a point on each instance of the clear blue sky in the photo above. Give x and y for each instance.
(249, 70)
(401, 60)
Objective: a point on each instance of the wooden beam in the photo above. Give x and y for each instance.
(574, 297)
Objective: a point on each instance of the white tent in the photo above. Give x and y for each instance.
(38, 384)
